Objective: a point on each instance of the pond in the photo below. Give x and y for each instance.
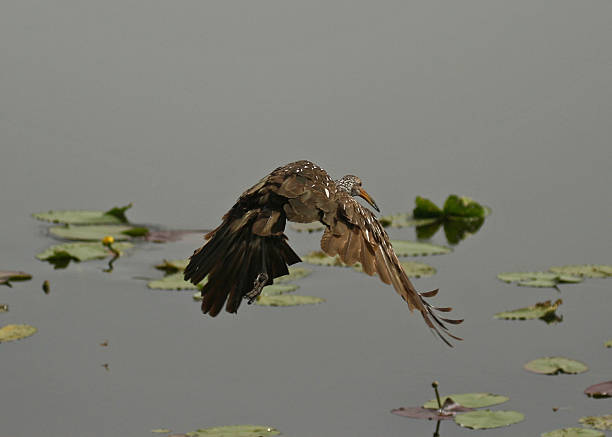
(180, 107)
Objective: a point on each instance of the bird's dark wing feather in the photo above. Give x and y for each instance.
(355, 234)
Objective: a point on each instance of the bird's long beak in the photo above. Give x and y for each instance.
(364, 195)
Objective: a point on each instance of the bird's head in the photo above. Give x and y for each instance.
(352, 185)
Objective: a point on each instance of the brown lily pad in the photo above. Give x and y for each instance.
(601, 390)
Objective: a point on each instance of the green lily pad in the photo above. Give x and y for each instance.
(404, 220)
(113, 216)
(538, 283)
(173, 266)
(555, 365)
(539, 279)
(573, 432)
(161, 430)
(416, 248)
(463, 206)
(235, 431)
(425, 208)
(541, 310)
(470, 400)
(276, 289)
(412, 269)
(174, 281)
(485, 419)
(294, 273)
(61, 254)
(584, 270)
(307, 227)
(608, 343)
(16, 332)
(322, 259)
(97, 232)
(6, 276)
(599, 422)
(286, 300)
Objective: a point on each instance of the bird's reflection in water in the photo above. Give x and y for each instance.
(455, 229)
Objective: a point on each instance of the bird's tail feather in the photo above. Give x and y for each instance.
(232, 259)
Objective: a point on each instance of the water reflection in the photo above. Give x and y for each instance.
(455, 229)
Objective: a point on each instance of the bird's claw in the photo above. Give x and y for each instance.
(258, 285)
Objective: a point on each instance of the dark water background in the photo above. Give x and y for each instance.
(179, 106)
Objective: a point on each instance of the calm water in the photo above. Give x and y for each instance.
(180, 106)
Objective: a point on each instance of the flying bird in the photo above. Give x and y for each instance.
(249, 249)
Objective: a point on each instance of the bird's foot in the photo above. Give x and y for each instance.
(258, 285)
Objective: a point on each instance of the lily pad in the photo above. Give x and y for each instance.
(4, 308)
(61, 254)
(286, 300)
(608, 343)
(447, 412)
(573, 432)
(322, 259)
(463, 206)
(555, 365)
(235, 431)
(412, 269)
(599, 422)
(541, 310)
(538, 279)
(416, 248)
(584, 270)
(307, 227)
(173, 266)
(16, 332)
(6, 276)
(404, 220)
(115, 215)
(601, 390)
(174, 281)
(471, 400)
(485, 419)
(97, 232)
(161, 430)
(294, 273)
(276, 289)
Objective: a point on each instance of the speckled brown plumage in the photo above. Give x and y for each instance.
(250, 247)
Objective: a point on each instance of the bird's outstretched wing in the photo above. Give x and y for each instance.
(355, 234)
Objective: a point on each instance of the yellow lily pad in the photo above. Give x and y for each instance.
(16, 332)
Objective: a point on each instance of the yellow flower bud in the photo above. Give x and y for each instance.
(108, 240)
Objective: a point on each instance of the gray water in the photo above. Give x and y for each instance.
(179, 106)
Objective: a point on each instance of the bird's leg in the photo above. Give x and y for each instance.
(258, 285)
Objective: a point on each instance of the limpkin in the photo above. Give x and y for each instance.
(249, 249)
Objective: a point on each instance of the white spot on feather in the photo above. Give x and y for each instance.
(327, 192)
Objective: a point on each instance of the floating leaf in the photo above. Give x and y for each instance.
(573, 432)
(599, 422)
(174, 281)
(4, 308)
(294, 273)
(416, 248)
(413, 269)
(541, 310)
(61, 254)
(319, 258)
(471, 400)
(97, 232)
(484, 419)
(608, 343)
(538, 279)
(15, 332)
(6, 276)
(447, 412)
(286, 300)
(404, 220)
(276, 289)
(235, 431)
(425, 208)
(555, 365)
(538, 283)
(170, 235)
(601, 390)
(161, 430)
(85, 217)
(307, 227)
(173, 266)
(463, 207)
(584, 270)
